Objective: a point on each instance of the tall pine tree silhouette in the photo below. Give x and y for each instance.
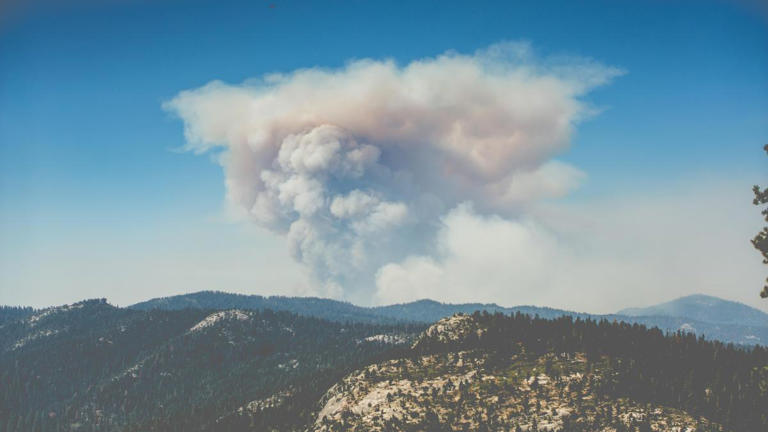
(760, 241)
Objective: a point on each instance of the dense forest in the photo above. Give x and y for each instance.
(714, 318)
(425, 311)
(14, 313)
(728, 384)
(328, 309)
(95, 367)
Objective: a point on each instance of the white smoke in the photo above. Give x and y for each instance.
(597, 254)
(357, 165)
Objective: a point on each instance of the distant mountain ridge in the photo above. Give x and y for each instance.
(704, 308)
(752, 330)
(91, 366)
(332, 310)
(424, 311)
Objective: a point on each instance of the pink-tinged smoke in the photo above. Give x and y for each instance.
(358, 166)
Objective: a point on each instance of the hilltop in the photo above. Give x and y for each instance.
(704, 308)
(721, 320)
(481, 373)
(93, 366)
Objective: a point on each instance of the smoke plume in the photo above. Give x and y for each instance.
(359, 166)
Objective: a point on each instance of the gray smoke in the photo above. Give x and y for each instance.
(358, 166)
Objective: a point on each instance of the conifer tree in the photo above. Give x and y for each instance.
(760, 241)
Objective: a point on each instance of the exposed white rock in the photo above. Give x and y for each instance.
(259, 405)
(36, 318)
(132, 371)
(392, 339)
(37, 335)
(455, 328)
(461, 391)
(458, 390)
(212, 319)
(290, 364)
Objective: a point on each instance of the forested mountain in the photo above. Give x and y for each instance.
(426, 311)
(13, 313)
(307, 306)
(91, 366)
(498, 372)
(431, 311)
(705, 308)
(727, 327)
(94, 367)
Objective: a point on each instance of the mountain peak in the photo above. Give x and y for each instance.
(450, 330)
(705, 308)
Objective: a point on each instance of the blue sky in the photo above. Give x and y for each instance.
(91, 179)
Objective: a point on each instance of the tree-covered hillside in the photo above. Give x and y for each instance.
(332, 310)
(726, 384)
(722, 320)
(705, 308)
(13, 313)
(93, 367)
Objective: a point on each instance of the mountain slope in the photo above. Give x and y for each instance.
(486, 372)
(704, 308)
(92, 366)
(424, 311)
(13, 313)
(462, 392)
(332, 310)
(748, 332)
(728, 333)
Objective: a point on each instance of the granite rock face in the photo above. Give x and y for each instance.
(476, 390)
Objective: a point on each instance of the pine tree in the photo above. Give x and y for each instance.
(760, 241)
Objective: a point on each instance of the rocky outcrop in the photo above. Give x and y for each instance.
(483, 391)
(452, 330)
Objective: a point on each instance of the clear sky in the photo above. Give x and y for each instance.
(97, 199)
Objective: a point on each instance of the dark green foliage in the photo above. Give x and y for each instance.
(726, 321)
(331, 310)
(13, 313)
(96, 367)
(425, 311)
(760, 241)
(724, 383)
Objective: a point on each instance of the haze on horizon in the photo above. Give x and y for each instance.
(574, 159)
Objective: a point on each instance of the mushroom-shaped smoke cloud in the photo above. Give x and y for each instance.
(356, 166)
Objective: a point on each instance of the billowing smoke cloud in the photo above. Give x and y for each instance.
(358, 166)
(596, 254)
